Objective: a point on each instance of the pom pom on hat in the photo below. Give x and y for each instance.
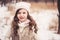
(24, 5)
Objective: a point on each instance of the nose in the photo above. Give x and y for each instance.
(21, 14)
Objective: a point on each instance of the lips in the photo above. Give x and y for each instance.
(21, 17)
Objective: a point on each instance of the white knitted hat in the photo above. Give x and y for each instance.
(24, 5)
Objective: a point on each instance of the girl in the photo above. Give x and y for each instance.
(23, 26)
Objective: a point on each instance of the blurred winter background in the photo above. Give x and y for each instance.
(44, 12)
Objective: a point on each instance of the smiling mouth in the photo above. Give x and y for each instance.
(21, 17)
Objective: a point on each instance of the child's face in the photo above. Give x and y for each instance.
(22, 15)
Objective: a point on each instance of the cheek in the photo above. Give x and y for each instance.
(18, 16)
(25, 16)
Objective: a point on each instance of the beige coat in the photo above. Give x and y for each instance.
(24, 35)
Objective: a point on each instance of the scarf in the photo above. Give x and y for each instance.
(22, 25)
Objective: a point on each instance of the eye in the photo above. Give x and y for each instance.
(24, 13)
(19, 12)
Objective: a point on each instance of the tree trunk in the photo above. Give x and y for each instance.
(58, 4)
